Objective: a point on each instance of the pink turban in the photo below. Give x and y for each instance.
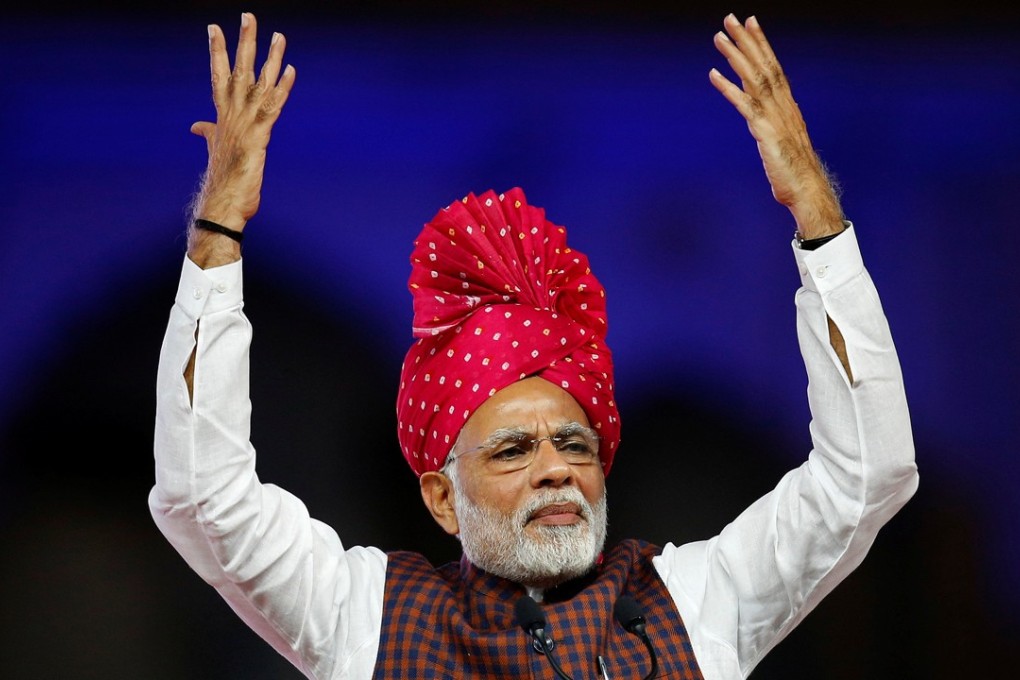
(498, 297)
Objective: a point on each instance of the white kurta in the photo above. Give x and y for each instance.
(319, 604)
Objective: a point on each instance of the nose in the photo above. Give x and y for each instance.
(549, 468)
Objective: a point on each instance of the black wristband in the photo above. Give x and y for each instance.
(219, 229)
(813, 243)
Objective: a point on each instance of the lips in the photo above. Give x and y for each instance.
(563, 512)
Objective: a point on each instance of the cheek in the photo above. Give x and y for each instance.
(503, 494)
(508, 498)
(593, 485)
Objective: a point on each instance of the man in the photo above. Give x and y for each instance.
(506, 413)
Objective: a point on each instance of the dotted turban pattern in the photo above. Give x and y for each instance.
(499, 297)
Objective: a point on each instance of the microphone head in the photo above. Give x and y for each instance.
(628, 613)
(529, 614)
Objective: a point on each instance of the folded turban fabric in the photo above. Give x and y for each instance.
(499, 297)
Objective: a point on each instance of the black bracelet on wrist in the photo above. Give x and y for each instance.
(219, 229)
(813, 243)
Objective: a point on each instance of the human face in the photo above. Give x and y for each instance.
(539, 519)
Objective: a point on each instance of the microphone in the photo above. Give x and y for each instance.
(628, 613)
(532, 620)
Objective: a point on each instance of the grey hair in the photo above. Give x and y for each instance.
(448, 468)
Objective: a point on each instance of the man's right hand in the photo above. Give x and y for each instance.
(246, 110)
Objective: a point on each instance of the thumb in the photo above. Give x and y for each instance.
(205, 129)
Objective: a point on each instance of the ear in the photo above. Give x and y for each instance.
(437, 492)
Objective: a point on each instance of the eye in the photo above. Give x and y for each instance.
(509, 452)
(575, 447)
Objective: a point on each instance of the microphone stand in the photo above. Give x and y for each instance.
(626, 610)
(532, 620)
(628, 613)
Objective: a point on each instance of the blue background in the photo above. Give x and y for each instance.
(605, 116)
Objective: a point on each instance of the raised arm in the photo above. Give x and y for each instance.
(744, 590)
(246, 109)
(286, 575)
(798, 177)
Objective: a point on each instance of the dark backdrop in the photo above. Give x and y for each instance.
(603, 113)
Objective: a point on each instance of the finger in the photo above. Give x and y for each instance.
(219, 65)
(769, 62)
(721, 83)
(286, 83)
(271, 69)
(755, 30)
(752, 58)
(744, 104)
(271, 107)
(736, 59)
(244, 62)
(747, 43)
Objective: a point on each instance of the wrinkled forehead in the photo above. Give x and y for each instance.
(533, 406)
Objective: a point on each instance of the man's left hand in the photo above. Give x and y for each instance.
(798, 178)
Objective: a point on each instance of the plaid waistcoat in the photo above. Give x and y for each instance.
(458, 621)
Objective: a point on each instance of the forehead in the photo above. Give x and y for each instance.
(534, 404)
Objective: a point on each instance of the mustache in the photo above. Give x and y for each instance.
(567, 495)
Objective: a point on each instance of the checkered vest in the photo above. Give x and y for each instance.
(458, 621)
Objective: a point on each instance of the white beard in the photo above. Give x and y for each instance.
(536, 555)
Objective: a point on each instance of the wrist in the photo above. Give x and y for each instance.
(228, 219)
(817, 219)
(817, 212)
(817, 241)
(209, 249)
(216, 204)
(216, 228)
